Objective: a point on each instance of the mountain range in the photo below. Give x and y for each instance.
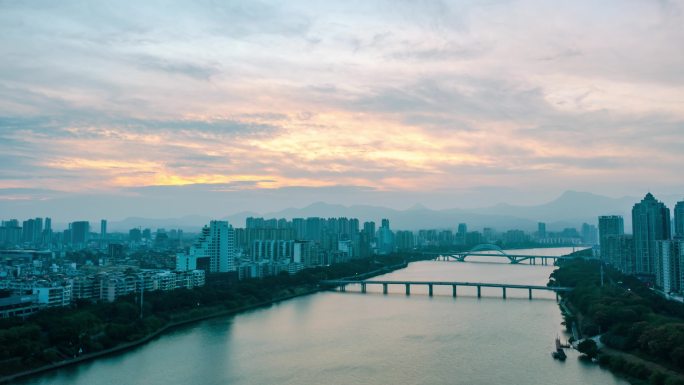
(571, 209)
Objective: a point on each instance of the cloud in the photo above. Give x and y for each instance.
(393, 96)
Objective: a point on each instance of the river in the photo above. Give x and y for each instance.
(354, 338)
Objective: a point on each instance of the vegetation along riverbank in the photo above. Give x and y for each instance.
(640, 333)
(54, 338)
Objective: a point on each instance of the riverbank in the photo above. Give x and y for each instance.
(288, 286)
(130, 345)
(642, 333)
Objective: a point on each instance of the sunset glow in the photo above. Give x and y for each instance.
(374, 95)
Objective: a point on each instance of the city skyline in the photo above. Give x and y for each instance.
(315, 192)
(442, 103)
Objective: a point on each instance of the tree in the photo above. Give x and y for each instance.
(588, 347)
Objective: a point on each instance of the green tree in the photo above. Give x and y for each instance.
(588, 347)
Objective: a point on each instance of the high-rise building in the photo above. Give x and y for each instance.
(488, 234)
(589, 234)
(115, 251)
(369, 230)
(353, 226)
(272, 250)
(304, 252)
(618, 250)
(679, 219)
(474, 238)
(404, 240)
(213, 252)
(650, 223)
(135, 235)
(254, 223)
(27, 231)
(541, 230)
(668, 265)
(461, 233)
(385, 238)
(10, 233)
(314, 228)
(103, 229)
(32, 231)
(47, 231)
(80, 232)
(610, 226)
(299, 226)
(38, 230)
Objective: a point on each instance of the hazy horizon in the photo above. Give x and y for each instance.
(570, 209)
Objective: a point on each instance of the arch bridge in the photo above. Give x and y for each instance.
(494, 251)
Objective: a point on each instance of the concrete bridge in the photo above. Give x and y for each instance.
(342, 283)
(490, 250)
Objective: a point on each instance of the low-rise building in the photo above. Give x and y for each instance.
(19, 305)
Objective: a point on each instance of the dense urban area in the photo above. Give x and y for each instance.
(41, 267)
(71, 293)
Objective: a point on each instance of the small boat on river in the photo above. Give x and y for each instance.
(559, 354)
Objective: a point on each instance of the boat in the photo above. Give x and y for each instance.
(559, 354)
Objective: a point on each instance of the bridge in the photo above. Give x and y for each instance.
(491, 250)
(342, 284)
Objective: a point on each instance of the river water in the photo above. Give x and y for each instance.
(354, 338)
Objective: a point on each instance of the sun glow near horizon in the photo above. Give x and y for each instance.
(421, 99)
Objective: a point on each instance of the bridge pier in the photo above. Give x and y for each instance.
(341, 285)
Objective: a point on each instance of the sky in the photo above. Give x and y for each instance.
(174, 108)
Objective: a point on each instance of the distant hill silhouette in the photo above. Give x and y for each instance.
(570, 209)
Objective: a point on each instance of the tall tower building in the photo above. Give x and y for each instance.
(610, 226)
(213, 252)
(80, 231)
(668, 264)
(679, 219)
(650, 223)
(27, 231)
(461, 233)
(541, 230)
(47, 231)
(369, 229)
(385, 238)
(589, 234)
(299, 226)
(38, 230)
(103, 229)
